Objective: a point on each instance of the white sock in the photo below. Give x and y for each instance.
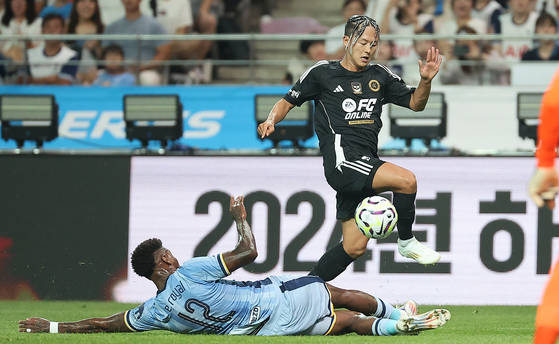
(407, 241)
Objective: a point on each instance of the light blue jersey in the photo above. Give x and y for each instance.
(197, 299)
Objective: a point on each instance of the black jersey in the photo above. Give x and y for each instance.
(348, 104)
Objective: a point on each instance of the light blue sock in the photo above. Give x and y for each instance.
(386, 310)
(384, 327)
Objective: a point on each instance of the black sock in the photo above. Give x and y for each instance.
(405, 206)
(332, 263)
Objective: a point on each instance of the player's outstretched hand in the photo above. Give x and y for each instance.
(432, 64)
(34, 325)
(237, 208)
(266, 128)
(543, 187)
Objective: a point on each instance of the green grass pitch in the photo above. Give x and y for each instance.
(469, 324)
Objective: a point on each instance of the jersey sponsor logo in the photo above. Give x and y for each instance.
(294, 93)
(349, 105)
(356, 87)
(338, 89)
(176, 294)
(254, 315)
(367, 104)
(374, 85)
(361, 111)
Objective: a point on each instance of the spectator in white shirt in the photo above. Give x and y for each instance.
(550, 6)
(488, 11)
(176, 17)
(462, 10)
(51, 63)
(521, 20)
(113, 10)
(375, 9)
(19, 19)
(405, 18)
(2, 7)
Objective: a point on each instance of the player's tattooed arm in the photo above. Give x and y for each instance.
(114, 323)
(245, 252)
(278, 113)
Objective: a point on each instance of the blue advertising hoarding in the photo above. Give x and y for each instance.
(215, 117)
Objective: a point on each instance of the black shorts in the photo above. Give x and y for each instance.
(353, 181)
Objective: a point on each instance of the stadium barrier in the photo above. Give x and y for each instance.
(73, 221)
(222, 117)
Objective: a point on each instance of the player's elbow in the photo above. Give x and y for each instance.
(417, 107)
(246, 254)
(252, 255)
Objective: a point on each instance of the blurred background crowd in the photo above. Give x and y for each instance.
(110, 61)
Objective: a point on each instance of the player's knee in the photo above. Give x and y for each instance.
(355, 251)
(346, 297)
(409, 183)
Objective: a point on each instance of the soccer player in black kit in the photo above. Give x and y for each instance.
(348, 97)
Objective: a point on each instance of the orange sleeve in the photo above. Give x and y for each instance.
(548, 129)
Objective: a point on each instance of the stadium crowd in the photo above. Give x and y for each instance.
(467, 61)
(83, 62)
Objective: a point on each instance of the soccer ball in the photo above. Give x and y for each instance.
(376, 217)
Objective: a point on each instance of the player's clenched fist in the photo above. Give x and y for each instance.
(237, 208)
(266, 128)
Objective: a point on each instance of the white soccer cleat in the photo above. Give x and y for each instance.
(421, 253)
(410, 307)
(442, 313)
(422, 322)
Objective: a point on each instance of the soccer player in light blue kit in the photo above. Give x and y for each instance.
(194, 298)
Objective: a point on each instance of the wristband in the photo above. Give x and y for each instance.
(53, 327)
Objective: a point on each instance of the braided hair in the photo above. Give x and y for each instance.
(355, 27)
(143, 259)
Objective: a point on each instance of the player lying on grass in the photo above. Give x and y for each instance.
(194, 298)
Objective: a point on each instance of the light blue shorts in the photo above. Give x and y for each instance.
(305, 307)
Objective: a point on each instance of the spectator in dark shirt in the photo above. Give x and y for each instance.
(547, 49)
(85, 19)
